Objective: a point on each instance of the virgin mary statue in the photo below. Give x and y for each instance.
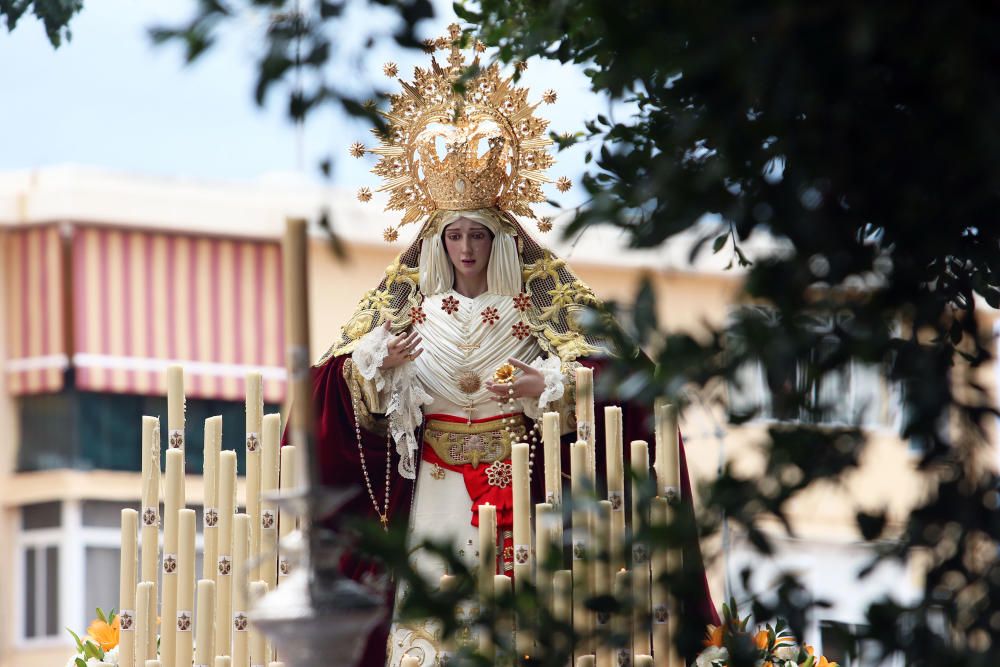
(470, 336)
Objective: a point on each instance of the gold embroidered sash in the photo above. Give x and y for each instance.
(459, 443)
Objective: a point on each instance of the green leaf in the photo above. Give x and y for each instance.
(80, 662)
(720, 242)
(100, 614)
(79, 643)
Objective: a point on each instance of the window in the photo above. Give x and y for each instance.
(86, 430)
(38, 557)
(855, 393)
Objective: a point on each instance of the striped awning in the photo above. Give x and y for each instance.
(34, 309)
(145, 300)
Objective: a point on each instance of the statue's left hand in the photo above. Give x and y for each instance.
(529, 384)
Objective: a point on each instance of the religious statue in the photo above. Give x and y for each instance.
(470, 336)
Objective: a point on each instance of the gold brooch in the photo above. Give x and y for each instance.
(504, 374)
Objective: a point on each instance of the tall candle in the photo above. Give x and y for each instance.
(640, 551)
(173, 502)
(644, 661)
(623, 621)
(448, 645)
(562, 599)
(286, 522)
(254, 415)
(585, 427)
(659, 516)
(602, 578)
(504, 625)
(204, 638)
(224, 581)
(553, 459)
(546, 548)
(270, 441)
(153, 663)
(142, 622)
(487, 569)
(258, 641)
(126, 586)
(150, 500)
(241, 620)
(616, 484)
(175, 408)
(523, 567)
(210, 530)
(184, 625)
(223, 661)
(668, 477)
(295, 262)
(580, 487)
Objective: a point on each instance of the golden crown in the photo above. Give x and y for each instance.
(495, 150)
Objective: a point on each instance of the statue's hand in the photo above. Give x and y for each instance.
(402, 348)
(529, 384)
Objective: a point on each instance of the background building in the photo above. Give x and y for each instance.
(106, 279)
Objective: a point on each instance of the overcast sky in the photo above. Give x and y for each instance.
(111, 99)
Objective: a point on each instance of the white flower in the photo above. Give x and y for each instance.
(787, 652)
(712, 656)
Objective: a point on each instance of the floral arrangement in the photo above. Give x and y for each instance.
(770, 646)
(100, 645)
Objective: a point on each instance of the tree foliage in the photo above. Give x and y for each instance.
(55, 15)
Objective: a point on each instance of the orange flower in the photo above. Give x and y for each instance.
(713, 637)
(760, 639)
(104, 634)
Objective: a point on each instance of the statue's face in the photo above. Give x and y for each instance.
(468, 245)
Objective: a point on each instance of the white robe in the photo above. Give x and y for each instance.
(470, 338)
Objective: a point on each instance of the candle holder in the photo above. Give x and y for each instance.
(316, 612)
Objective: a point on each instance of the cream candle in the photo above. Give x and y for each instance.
(659, 515)
(210, 476)
(504, 627)
(581, 486)
(175, 407)
(254, 426)
(667, 464)
(173, 503)
(269, 473)
(645, 661)
(448, 584)
(585, 427)
(616, 484)
(585, 661)
(640, 551)
(204, 636)
(295, 264)
(259, 654)
(150, 500)
(546, 549)
(602, 577)
(487, 568)
(184, 626)
(551, 445)
(153, 663)
(286, 522)
(241, 590)
(409, 661)
(128, 564)
(523, 566)
(142, 621)
(562, 599)
(224, 580)
(623, 621)
(223, 661)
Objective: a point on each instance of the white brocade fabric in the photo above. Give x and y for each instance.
(476, 338)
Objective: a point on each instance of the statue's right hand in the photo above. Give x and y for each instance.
(403, 347)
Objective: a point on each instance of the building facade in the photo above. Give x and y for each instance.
(106, 279)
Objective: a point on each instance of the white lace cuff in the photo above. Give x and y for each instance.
(369, 354)
(551, 368)
(405, 395)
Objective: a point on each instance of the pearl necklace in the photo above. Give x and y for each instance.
(383, 514)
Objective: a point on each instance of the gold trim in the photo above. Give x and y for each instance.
(459, 443)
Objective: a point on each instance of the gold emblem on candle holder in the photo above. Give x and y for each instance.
(176, 439)
(211, 517)
(252, 442)
(499, 474)
(150, 517)
(184, 621)
(169, 563)
(661, 614)
(225, 565)
(617, 502)
(521, 554)
(126, 620)
(267, 519)
(240, 622)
